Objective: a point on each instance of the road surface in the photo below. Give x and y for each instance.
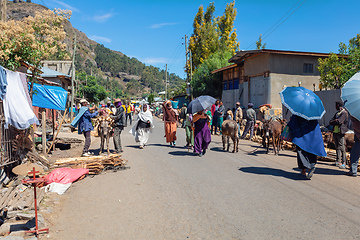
(169, 193)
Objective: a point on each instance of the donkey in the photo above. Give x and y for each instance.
(229, 129)
(272, 129)
(104, 131)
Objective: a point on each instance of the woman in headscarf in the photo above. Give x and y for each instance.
(202, 134)
(170, 118)
(142, 127)
(306, 135)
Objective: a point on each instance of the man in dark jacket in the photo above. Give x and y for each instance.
(85, 125)
(250, 121)
(119, 119)
(339, 121)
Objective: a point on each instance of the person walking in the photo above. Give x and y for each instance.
(355, 150)
(339, 121)
(142, 127)
(183, 113)
(306, 135)
(221, 111)
(250, 121)
(238, 117)
(128, 113)
(189, 132)
(83, 120)
(119, 122)
(215, 119)
(202, 136)
(170, 118)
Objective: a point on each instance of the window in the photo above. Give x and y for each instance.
(225, 86)
(230, 85)
(308, 68)
(236, 84)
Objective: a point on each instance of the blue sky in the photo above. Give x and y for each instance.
(152, 31)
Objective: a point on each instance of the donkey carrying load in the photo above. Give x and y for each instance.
(104, 126)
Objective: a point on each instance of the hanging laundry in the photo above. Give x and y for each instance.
(3, 82)
(17, 111)
(26, 87)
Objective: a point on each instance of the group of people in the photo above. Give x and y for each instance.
(199, 127)
(119, 113)
(196, 125)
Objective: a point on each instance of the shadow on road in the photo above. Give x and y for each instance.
(217, 149)
(273, 172)
(182, 153)
(326, 171)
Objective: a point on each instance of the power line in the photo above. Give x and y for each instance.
(278, 25)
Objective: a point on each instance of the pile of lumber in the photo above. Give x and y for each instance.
(20, 197)
(95, 164)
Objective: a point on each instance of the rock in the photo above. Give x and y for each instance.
(25, 216)
(12, 238)
(5, 228)
(17, 233)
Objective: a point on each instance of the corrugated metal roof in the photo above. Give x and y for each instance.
(47, 72)
(244, 54)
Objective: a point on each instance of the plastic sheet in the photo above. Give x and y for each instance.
(50, 97)
(65, 175)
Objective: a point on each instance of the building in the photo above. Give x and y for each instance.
(258, 76)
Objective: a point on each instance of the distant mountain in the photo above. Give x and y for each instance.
(109, 65)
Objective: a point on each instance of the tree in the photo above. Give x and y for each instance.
(33, 39)
(206, 83)
(212, 34)
(259, 44)
(336, 70)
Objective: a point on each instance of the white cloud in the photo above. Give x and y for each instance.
(152, 61)
(100, 39)
(159, 25)
(67, 6)
(102, 18)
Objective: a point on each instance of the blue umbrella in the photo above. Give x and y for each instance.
(200, 103)
(350, 94)
(302, 102)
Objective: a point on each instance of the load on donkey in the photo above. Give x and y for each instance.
(104, 130)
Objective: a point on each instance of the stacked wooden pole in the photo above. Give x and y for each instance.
(95, 164)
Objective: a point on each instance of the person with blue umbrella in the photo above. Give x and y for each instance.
(351, 97)
(304, 128)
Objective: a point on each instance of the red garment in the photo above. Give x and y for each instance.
(213, 107)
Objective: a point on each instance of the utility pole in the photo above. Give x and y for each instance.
(191, 96)
(186, 63)
(165, 82)
(3, 10)
(72, 81)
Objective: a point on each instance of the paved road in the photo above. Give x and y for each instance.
(171, 194)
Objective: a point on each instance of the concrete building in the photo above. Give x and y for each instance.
(63, 66)
(258, 76)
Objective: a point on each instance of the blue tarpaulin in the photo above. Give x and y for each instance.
(50, 97)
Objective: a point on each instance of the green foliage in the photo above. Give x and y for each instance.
(151, 98)
(259, 44)
(336, 70)
(212, 34)
(205, 83)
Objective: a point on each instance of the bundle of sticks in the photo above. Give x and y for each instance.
(95, 164)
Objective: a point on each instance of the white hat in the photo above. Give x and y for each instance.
(83, 101)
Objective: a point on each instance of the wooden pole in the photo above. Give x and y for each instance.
(53, 121)
(43, 123)
(62, 120)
